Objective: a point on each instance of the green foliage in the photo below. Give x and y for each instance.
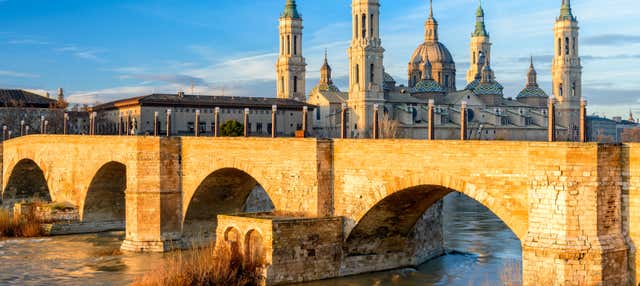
(232, 128)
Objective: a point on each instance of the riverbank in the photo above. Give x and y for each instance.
(19, 226)
(222, 265)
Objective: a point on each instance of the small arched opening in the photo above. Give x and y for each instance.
(254, 248)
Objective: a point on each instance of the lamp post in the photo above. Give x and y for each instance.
(9, 132)
(168, 122)
(22, 127)
(431, 118)
(376, 123)
(343, 121)
(65, 119)
(274, 112)
(216, 121)
(93, 123)
(196, 127)
(305, 112)
(552, 121)
(4, 132)
(463, 121)
(583, 121)
(26, 130)
(155, 123)
(42, 124)
(246, 122)
(46, 124)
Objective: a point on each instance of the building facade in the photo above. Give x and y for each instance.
(137, 116)
(23, 112)
(403, 109)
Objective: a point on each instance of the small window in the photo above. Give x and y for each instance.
(295, 84)
(288, 45)
(364, 28)
(357, 74)
(560, 90)
(573, 89)
(559, 47)
(371, 25)
(318, 114)
(372, 73)
(566, 46)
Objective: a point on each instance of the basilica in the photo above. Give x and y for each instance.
(431, 71)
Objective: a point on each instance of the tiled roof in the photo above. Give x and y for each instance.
(23, 98)
(532, 91)
(173, 100)
(425, 86)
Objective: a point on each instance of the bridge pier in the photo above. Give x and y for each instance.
(575, 229)
(153, 197)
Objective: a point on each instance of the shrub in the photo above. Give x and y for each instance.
(232, 128)
(26, 226)
(211, 266)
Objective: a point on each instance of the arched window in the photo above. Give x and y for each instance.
(371, 26)
(295, 84)
(573, 89)
(372, 74)
(357, 74)
(414, 80)
(364, 26)
(282, 45)
(573, 46)
(559, 47)
(446, 81)
(560, 90)
(474, 58)
(288, 45)
(295, 44)
(566, 46)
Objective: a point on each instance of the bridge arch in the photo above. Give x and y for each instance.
(224, 191)
(396, 209)
(26, 182)
(104, 200)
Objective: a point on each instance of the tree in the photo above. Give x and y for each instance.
(232, 128)
(389, 128)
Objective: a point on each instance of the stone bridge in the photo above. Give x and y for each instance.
(343, 207)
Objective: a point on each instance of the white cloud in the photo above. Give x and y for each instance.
(17, 74)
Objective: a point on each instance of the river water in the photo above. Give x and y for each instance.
(482, 251)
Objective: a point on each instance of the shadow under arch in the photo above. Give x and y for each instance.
(105, 197)
(225, 191)
(26, 183)
(387, 227)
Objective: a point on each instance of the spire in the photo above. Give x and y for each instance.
(481, 30)
(532, 76)
(430, 9)
(291, 10)
(431, 26)
(325, 73)
(486, 72)
(565, 11)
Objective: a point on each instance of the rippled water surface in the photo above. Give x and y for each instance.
(483, 251)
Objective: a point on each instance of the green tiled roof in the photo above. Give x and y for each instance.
(489, 88)
(427, 85)
(481, 30)
(565, 11)
(532, 91)
(291, 10)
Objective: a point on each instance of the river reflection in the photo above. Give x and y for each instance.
(92, 259)
(482, 251)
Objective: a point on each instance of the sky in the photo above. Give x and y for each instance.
(104, 50)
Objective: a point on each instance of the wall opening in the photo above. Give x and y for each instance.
(226, 191)
(27, 183)
(105, 199)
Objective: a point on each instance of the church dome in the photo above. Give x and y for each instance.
(427, 86)
(436, 52)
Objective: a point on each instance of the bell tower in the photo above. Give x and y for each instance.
(291, 65)
(567, 72)
(480, 45)
(366, 74)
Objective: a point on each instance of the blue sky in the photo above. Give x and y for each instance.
(109, 49)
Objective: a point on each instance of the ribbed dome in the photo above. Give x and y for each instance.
(436, 52)
(532, 91)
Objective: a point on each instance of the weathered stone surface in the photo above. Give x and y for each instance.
(572, 205)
